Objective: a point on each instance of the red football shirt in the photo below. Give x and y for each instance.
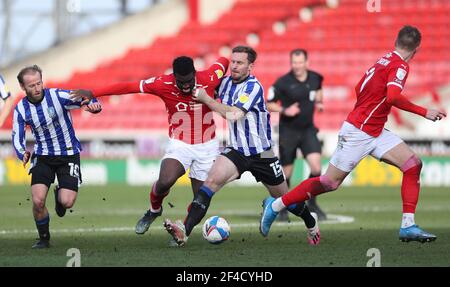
(371, 109)
(189, 121)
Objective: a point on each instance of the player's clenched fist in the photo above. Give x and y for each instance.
(26, 158)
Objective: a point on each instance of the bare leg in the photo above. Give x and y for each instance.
(169, 172)
(39, 194)
(222, 172)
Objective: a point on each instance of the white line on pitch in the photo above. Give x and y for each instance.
(331, 219)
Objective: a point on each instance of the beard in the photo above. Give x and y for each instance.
(35, 98)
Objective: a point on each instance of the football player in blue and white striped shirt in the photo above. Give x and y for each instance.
(5, 95)
(249, 145)
(56, 151)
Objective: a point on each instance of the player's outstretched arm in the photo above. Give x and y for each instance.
(395, 98)
(227, 112)
(114, 89)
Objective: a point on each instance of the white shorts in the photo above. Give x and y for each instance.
(354, 145)
(199, 158)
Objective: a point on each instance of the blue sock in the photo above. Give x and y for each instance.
(206, 190)
(292, 206)
(43, 227)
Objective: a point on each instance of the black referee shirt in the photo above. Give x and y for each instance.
(288, 90)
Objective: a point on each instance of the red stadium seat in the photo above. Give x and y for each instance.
(342, 42)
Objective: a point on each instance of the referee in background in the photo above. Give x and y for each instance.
(295, 96)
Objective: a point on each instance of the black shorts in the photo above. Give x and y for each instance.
(65, 167)
(304, 139)
(265, 167)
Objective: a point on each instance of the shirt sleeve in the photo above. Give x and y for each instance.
(153, 85)
(397, 76)
(320, 80)
(253, 94)
(18, 134)
(117, 89)
(398, 100)
(4, 91)
(218, 69)
(66, 101)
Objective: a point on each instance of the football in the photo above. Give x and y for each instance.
(216, 230)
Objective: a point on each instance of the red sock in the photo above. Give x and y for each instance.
(156, 199)
(305, 190)
(188, 209)
(411, 184)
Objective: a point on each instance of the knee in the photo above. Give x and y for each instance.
(68, 200)
(211, 183)
(68, 203)
(38, 204)
(164, 184)
(413, 164)
(328, 183)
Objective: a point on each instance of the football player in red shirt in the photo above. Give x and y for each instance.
(191, 125)
(363, 134)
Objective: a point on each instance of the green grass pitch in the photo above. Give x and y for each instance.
(101, 226)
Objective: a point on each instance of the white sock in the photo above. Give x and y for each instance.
(155, 210)
(407, 220)
(278, 205)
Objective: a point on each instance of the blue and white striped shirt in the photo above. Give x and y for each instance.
(250, 135)
(51, 124)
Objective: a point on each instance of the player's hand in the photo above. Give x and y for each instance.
(319, 106)
(435, 115)
(292, 110)
(200, 95)
(85, 95)
(26, 158)
(92, 108)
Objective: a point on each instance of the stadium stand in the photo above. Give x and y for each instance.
(343, 41)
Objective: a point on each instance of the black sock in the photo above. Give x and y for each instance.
(199, 207)
(43, 227)
(301, 210)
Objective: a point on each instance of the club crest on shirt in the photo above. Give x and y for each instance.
(400, 74)
(243, 98)
(51, 112)
(181, 107)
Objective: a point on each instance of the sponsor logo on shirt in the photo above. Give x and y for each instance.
(243, 98)
(400, 74)
(383, 61)
(219, 74)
